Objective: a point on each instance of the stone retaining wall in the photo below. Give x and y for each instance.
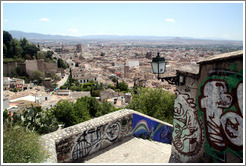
(75, 143)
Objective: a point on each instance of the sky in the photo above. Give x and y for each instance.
(197, 20)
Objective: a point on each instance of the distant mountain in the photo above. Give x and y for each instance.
(129, 37)
(38, 36)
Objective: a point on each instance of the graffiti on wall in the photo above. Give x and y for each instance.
(94, 139)
(146, 128)
(188, 133)
(81, 145)
(221, 104)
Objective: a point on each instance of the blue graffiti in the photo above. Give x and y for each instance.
(150, 129)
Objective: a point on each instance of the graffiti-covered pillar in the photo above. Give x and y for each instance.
(220, 106)
(187, 144)
(208, 114)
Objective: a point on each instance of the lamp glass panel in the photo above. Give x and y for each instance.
(155, 67)
(162, 67)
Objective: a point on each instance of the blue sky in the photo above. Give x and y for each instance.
(198, 20)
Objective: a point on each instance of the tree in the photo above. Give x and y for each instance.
(5, 50)
(105, 109)
(70, 114)
(37, 75)
(82, 111)
(154, 102)
(64, 113)
(41, 55)
(123, 86)
(30, 49)
(114, 79)
(7, 37)
(49, 54)
(15, 49)
(93, 105)
(23, 42)
(61, 64)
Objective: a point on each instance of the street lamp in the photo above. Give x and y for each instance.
(158, 66)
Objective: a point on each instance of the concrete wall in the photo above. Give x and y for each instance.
(208, 114)
(76, 143)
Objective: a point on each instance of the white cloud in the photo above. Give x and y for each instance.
(44, 19)
(73, 32)
(169, 20)
(5, 20)
(120, 34)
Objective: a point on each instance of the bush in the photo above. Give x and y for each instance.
(154, 102)
(105, 109)
(123, 86)
(82, 110)
(37, 75)
(64, 113)
(34, 119)
(20, 146)
(75, 88)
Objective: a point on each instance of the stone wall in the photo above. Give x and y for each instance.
(50, 68)
(208, 114)
(7, 68)
(31, 65)
(76, 143)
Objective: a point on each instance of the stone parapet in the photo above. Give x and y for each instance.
(75, 143)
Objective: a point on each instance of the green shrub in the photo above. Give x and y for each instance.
(75, 88)
(33, 119)
(154, 102)
(20, 146)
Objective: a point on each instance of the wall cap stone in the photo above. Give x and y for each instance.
(225, 56)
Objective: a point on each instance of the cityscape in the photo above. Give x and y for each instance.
(93, 66)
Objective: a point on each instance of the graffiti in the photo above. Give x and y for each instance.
(232, 124)
(93, 140)
(87, 143)
(220, 103)
(215, 98)
(63, 149)
(188, 134)
(112, 131)
(150, 129)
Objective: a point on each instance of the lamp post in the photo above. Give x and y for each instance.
(158, 66)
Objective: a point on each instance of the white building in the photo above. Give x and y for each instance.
(132, 63)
